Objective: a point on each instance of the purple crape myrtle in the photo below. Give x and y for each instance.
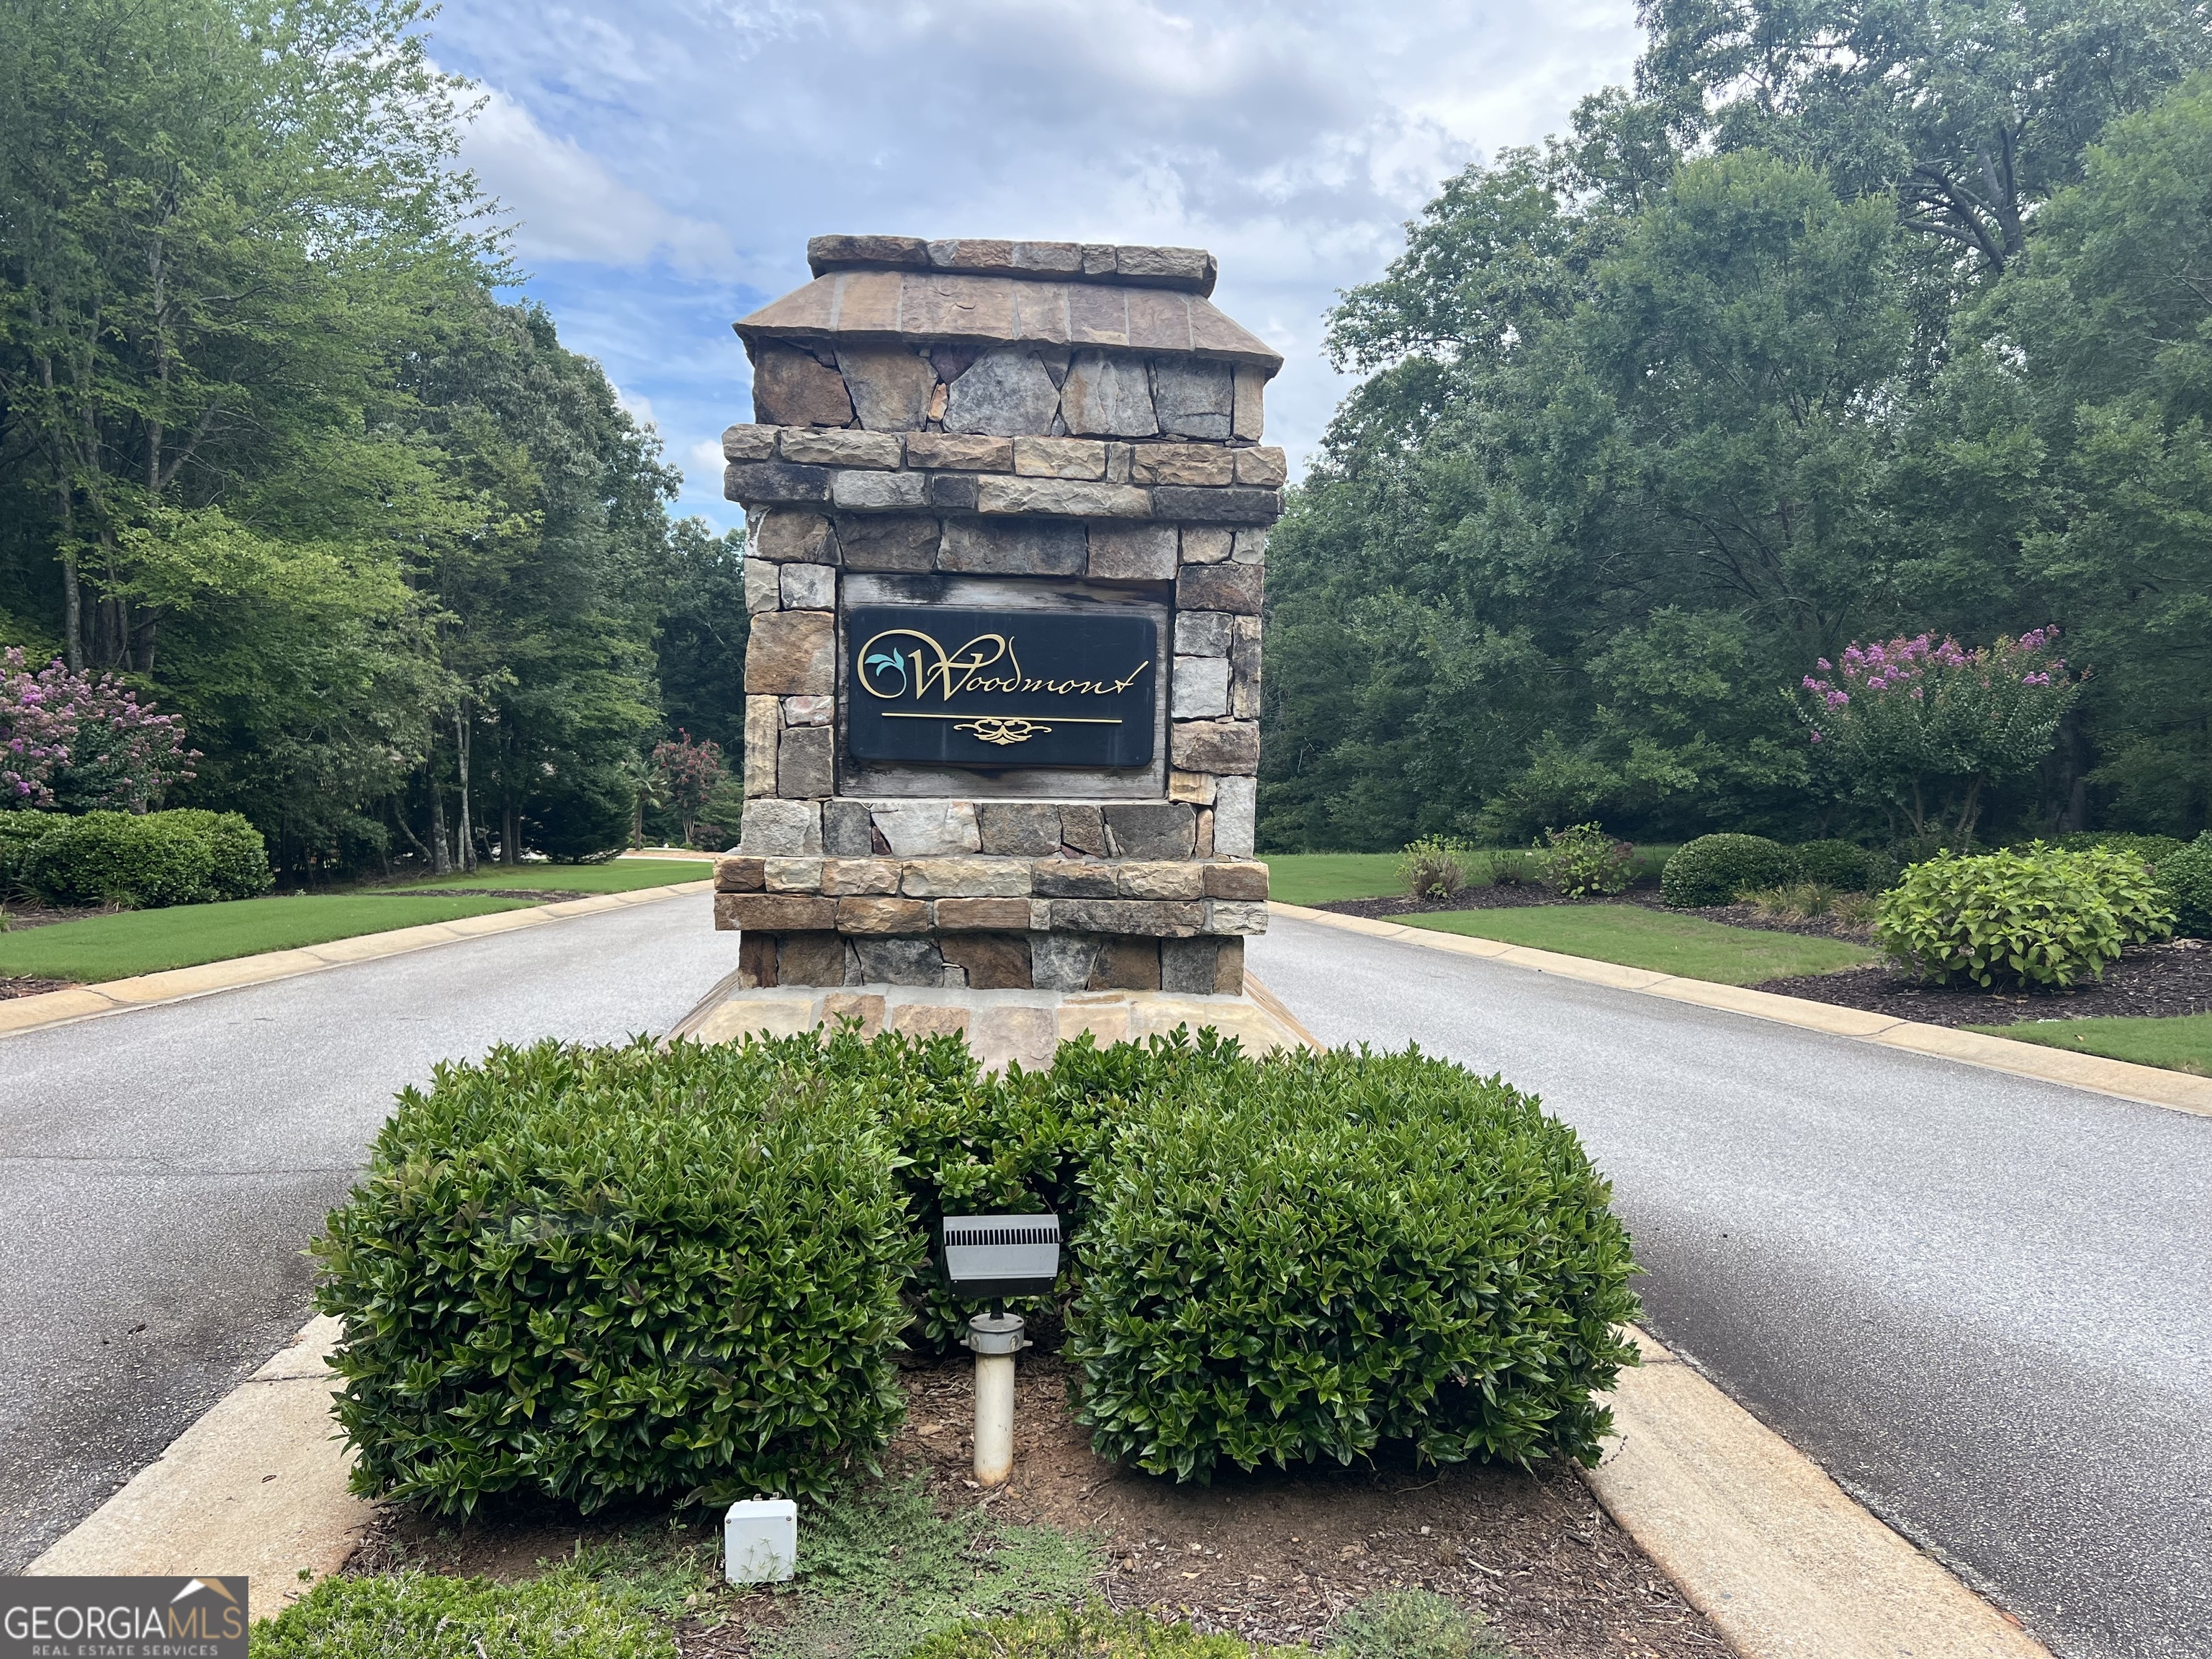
(1925, 725)
(83, 742)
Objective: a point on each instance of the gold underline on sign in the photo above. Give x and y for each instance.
(1064, 719)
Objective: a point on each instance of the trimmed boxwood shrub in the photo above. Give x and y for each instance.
(20, 832)
(2038, 917)
(2153, 850)
(1843, 865)
(2186, 879)
(1309, 1256)
(598, 1273)
(1714, 869)
(148, 861)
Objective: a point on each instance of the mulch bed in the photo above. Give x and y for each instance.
(44, 915)
(2152, 981)
(31, 987)
(1272, 1556)
(1520, 895)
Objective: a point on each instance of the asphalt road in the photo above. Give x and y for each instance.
(1983, 1305)
(162, 1170)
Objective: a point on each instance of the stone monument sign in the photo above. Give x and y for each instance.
(1007, 513)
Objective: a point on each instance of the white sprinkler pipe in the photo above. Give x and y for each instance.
(995, 1338)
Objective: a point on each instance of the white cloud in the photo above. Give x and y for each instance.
(567, 204)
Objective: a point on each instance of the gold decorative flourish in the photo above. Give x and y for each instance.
(992, 728)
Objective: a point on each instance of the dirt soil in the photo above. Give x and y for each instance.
(2158, 980)
(1271, 1556)
(21, 915)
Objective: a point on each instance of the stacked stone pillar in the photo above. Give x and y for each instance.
(1065, 430)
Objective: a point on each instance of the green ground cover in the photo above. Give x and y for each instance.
(1326, 877)
(2180, 1043)
(617, 876)
(147, 941)
(1637, 938)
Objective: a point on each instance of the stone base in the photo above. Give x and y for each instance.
(1000, 1026)
(1201, 966)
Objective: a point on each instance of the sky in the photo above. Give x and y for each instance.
(664, 163)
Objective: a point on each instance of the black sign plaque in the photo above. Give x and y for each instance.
(936, 687)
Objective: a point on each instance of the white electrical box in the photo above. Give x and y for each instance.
(760, 1541)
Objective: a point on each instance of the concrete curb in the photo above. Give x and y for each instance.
(256, 1486)
(2176, 1091)
(36, 1013)
(1784, 1563)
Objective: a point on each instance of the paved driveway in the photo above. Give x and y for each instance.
(1983, 1305)
(162, 1170)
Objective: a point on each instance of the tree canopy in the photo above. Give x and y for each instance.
(1848, 321)
(273, 450)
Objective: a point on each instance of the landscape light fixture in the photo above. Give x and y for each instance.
(989, 1258)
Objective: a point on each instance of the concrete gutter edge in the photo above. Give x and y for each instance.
(2145, 1086)
(1783, 1562)
(52, 1008)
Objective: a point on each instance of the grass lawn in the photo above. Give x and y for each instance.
(616, 876)
(1637, 938)
(147, 941)
(2181, 1043)
(1325, 878)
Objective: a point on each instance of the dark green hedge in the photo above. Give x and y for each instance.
(1714, 869)
(2186, 878)
(1843, 865)
(596, 1274)
(1312, 1256)
(20, 833)
(148, 861)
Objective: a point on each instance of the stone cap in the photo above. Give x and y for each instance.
(906, 307)
(1191, 269)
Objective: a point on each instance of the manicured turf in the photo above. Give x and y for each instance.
(617, 876)
(1326, 877)
(1637, 938)
(147, 941)
(2181, 1043)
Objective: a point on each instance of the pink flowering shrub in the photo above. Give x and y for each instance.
(1926, 726)
(687, 773)
(81, 741)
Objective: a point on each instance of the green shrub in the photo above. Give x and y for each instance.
(1091, 1632)
(1714, 869)
(20, 832)
(2186, 878)
(1585, 859)
(144, 861)
(1433, 868)
(2153, 850)
(597, 1273)
(2038, 917)
(1844, 866)
(1414, 1624)
(1310, 1255)
(561, 1614)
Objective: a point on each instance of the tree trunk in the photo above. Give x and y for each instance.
(441, 863)
(465, 844)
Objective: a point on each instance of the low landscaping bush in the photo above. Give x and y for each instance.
(2038, 917)
(1432, 867)
(1842, 866)
(20, 833)
(2185, 880)
(561, 1614)
(1585, 859)
(147, 860)
(1714, 869)
(598, 1273)
(2153, 850)
(1311, 1256)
